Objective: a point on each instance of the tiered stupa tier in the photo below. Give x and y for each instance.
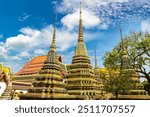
(49, 83)
(81, 80)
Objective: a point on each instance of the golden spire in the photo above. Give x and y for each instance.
(80, 38)
(95, 58)
(81, 47)
(52, 55)
(80, 11)
(53, 45)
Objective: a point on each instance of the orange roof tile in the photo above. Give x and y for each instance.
(34, 65)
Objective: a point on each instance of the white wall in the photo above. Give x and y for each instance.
(2, 87)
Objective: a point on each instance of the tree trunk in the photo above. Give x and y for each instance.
(116, 94)
(148, 85)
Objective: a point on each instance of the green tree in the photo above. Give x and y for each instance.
(139, 51)
(117, 84)
(146, 86)
(138, 46)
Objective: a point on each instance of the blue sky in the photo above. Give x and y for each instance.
(26, 27)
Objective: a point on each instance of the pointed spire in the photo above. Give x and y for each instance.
(53, 45)
(81, 47)
(52, 55)
(125, 61)
(123, 48)
(80, 38)
(80, 11)
(122, 44)
(95, 58)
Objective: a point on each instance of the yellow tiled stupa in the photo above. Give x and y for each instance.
(49, 83)
(81, 79)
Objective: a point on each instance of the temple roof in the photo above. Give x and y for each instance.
(34, 65)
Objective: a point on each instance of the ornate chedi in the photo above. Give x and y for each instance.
(49, 83)
(81, 80)
(126, 69)
(5, 83)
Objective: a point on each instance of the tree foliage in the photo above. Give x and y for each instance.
(146, 86)
(117, 83)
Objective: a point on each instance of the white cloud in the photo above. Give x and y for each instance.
(3, 50)
(1, 36)
(145, 26)
(24, 54)
(103, 26)
(29, 31)
(40, 52)
(119, 0)
(24, 17)
(72, 20)
(16, 58)
(31, 39)
(18, 42)
(92, 5)
(94, 13)
(109, 12)
(24, 41)
(54, 2)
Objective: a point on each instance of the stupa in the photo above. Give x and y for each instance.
(81, 79)
(49, 85)
(137, 89)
